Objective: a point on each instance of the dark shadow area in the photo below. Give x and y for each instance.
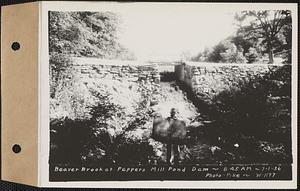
(250, 122)
(90, 141)
(78, 142)
(68, 138)
(167, 76)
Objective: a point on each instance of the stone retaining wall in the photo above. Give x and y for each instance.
(208, 79)
(117, 70)
(126, 83)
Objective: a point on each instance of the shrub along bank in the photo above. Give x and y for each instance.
(249, 109)
(100, 113)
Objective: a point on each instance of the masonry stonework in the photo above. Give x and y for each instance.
(209, 79)
(126, 84)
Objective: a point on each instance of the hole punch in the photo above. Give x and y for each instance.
(15, 46)
(16, 148)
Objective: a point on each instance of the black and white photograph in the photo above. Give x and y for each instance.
(170, 91)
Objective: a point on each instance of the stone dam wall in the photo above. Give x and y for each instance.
(126, 83)
(130, 71)
(129, 82)
(209, 79)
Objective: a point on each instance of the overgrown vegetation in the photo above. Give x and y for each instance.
(99, 122)
(88, 34)
(90, 122)
(108, 134)
(253, 119)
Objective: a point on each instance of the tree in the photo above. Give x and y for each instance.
(286, 38)
(251, 45)
(266, 25)
(88, 34)
(202, 56)
(226, 51)
(252, 55)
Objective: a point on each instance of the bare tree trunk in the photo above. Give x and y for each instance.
(270, 52)
(271, 56)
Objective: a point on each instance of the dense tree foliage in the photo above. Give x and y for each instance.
(81, 34)
(273, 28)
(258, 33)
(92, 34)
(226, 51)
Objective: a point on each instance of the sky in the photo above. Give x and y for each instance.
(164, 33)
